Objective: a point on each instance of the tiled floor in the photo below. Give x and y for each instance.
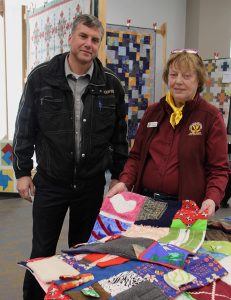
(15, 243)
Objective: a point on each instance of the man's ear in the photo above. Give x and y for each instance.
(69, 39)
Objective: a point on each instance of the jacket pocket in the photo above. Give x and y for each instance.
(105, 113)
(105, 106)
(54, 115)
(49, 104)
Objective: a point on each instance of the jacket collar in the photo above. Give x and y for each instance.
(69, 73)
(189, 105)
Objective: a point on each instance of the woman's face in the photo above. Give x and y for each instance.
(182, 83)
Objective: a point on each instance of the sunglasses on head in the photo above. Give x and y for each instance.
(190, 51)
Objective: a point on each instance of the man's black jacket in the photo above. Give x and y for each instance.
(46, 123)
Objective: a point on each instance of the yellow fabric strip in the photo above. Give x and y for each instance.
(177, 115)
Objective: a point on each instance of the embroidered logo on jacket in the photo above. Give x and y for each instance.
(107, 92)
(195, 128)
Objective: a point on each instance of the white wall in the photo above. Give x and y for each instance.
(13, 22)
(13, 59)
(215, 28)
(3, 128)
(146, 12)
(192, 24)
(208, 27)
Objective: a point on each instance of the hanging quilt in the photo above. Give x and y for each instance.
(49, 28)
(131, 55)
(7, 176)
(217, 90)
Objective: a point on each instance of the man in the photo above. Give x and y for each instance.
(72, 112)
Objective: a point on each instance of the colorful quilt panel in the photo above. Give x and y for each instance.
(189, 214)
(105, 226)
(7, 177)
(203, 267)
(124, 206)
(165, 254)
(131, 55)
(6, 153)
(120, 212)
(216, 91)
(217, 290)
(188, 239)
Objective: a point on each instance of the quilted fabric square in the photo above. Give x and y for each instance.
(189, 214)
(178, 278)
(198, 225)
(55, 293)
(149, 232)
(49, 268)
(217, 290)
(218, 246)
(122, 246)
(120, 282)
(78, 295)
(106, 226)
(202, 266)
(152, 209)
(188, 239)
(142, 291)
(158, 213)
(124, 206)
(166, 255)
(76, 262)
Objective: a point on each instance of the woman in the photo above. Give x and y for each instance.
(180, 150)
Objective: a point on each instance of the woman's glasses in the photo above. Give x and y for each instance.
(190, 51)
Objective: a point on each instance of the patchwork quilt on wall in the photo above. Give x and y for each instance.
(131, 55)
(216, 91)
(7, 178)
(49, 27)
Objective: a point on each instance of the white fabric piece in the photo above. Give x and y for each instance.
(48, 269)
(177, 278)
(146, 232)
(226, 263)
(121, 205)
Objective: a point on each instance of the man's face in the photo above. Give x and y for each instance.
(84, 44)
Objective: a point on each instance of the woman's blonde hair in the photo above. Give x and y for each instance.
(189, 61)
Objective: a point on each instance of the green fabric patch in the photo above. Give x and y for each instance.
(218, 246)
(198, 225)
(188, 239)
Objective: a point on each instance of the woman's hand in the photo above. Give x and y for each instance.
(117, 188)
(208, 205)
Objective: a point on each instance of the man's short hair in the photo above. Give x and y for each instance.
(89, 21)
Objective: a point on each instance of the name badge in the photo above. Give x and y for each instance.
(152, 124)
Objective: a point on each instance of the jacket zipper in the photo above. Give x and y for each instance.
(49, 100)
